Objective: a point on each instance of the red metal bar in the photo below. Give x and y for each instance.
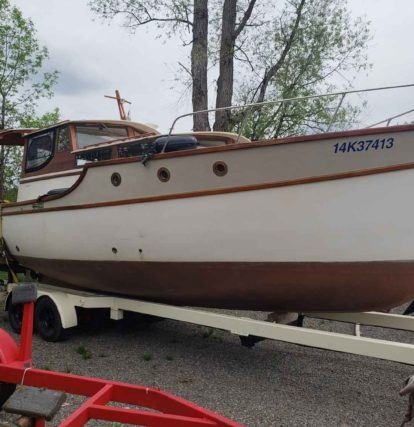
(82, 415)
(26, 336)
(150, 419)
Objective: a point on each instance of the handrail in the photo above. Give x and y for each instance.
(388, 119)
(282, 101)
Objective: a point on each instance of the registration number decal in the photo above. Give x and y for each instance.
(366, 145)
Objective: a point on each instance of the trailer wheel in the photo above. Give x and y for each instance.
(48, 323)
(15, 314)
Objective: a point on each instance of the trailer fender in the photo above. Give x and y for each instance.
(65, 307)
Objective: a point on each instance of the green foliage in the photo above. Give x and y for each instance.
(45, 120)
(22, 57)
(328, 45)
(322, 54)
(22, 84)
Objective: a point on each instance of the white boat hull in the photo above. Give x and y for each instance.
(315, 224)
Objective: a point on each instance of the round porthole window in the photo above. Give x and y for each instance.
(116, 179)
(163, 174)
(220, 168)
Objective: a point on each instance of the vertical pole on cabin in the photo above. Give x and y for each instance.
(121, 108)
(120, 101)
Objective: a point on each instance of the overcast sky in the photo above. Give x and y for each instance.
(95, 58)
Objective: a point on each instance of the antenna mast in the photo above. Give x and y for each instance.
(120, 101)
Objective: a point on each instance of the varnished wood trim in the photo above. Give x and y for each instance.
(51, 176)
(212, 192)
(72, 136)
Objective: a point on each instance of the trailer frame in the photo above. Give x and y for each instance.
(248, 329)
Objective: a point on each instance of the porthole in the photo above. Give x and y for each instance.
(163, 174)
(114, 250)
(220, 168)
(17, 249)
(116, 179)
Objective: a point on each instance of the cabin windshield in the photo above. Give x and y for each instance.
(40, 151)
(97, 134)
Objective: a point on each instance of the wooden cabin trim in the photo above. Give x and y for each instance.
(201, 193)
(50, 176)
(72, 136)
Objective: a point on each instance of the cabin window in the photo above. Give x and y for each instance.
(40, 151)
(97, 134)
(63, 139)
(132, 149)
(93, 156)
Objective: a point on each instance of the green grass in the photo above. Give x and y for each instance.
(84, 352)
(147, 357)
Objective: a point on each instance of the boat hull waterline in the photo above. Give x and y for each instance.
(298, 287)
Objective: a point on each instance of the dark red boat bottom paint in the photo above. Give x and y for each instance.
(286, 286)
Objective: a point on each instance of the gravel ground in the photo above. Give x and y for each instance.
(272, 384)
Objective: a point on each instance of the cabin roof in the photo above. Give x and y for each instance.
(14, 137)
(141, 127)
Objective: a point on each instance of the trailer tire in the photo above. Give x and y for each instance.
(48, 323)
(6, 390)
(15, 315)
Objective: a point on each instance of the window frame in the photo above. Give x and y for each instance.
(52, 151)
(96, 125)
(57, 132)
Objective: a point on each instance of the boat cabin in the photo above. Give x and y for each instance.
(53, 157)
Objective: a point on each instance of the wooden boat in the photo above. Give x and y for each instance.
(320, 222)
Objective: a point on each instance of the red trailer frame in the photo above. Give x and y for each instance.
(164, 409)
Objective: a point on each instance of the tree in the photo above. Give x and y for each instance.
(302, 55)
(21, 82)
(189, 20)
(261, 50)
(39, 122)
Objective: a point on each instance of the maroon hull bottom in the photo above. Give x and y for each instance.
(313, 286)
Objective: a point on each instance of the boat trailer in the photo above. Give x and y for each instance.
(41, 393)
(65, 303)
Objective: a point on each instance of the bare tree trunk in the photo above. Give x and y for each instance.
(199, 61)
(229, 34)
(2, 148)
(226, 72)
